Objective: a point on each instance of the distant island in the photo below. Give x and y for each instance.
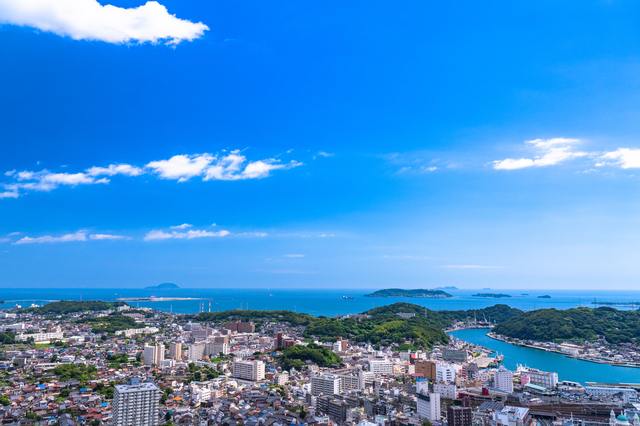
(492, 295)
(546, 296)
(487, 288)
(164, 286)
(449, 287)
(398, 292)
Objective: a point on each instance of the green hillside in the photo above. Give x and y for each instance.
(551, 325)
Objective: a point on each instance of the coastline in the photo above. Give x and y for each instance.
(577, 357)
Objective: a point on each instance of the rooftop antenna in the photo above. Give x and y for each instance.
(170, 309)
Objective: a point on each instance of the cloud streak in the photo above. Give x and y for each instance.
(473, 267)
(230, 167)
(550, 152)
(156, 235)
(89, 20)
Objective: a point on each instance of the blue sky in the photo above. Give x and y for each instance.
(367, 144)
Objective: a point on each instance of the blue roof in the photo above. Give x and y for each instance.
(623, 418)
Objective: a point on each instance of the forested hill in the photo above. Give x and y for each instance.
(398, 292)
(551, 325)
(443, 319)
(385, 325)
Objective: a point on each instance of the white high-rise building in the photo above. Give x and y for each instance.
(503, 379)
(136, 404)
(429, 406)
(445, 373)
(196, 351)
(380, 366)
(214, 349)
(175, 350)
(248, 370)
(446, 390)
(154, 355)
(326, 384)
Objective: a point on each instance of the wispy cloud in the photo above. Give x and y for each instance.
(229, 167)
(325, 154)
(108, 237)
(550, 152)
(473, 267)
(294, 255)
(89, 20)
(161, 235)
(183, 226)
(78, 236)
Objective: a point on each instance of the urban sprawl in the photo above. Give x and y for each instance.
(125, 366)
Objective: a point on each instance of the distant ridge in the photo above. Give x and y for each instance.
(449, 287)
(164, 286)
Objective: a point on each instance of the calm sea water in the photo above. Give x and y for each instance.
(567, 368)
(314, 301)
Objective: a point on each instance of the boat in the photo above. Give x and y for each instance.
(271, 295)
(347, 297)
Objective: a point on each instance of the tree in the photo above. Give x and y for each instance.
(4, 400)
(167, 416)
(426, 422)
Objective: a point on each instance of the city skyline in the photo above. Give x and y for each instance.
(299, 145)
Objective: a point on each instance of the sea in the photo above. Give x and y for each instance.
(330, 302)
(326, 302)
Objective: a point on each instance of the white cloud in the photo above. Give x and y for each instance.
(325, 154)
(212, 167)
(181, 167)
(230, 167)
(78, 236)
(473, 267)
(183, 226)
(551, 152)
(626, 158)
(10, 172)
(114, 169)
(107, 237)
(89, 20)
(294, 255)
(4, 240)
(44, 180)
(161, 235)
(326, 235)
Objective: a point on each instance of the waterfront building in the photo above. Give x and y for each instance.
(454, 355)
(248, 370)
(136, 404)
(540, 378)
